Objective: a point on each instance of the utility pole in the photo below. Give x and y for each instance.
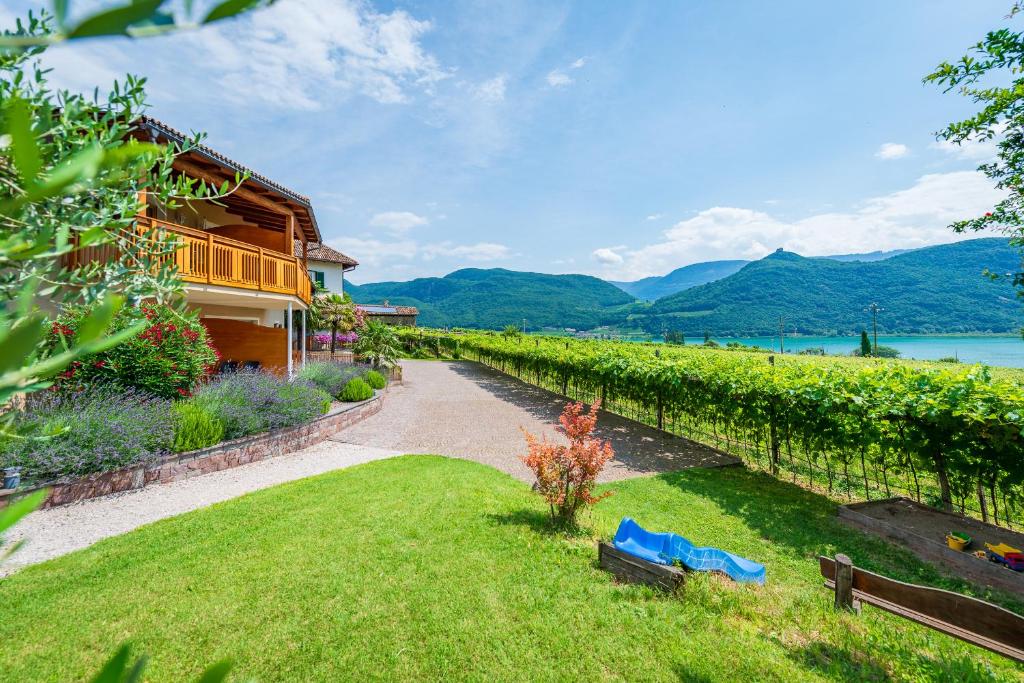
(875, 309)
(524, 325)
(782, 335)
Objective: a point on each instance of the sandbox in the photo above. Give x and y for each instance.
(922, 530)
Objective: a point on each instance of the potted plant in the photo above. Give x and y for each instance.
(12, 477)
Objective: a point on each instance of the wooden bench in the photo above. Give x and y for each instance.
(975, 621)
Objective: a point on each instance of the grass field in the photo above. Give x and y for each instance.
(423, 567)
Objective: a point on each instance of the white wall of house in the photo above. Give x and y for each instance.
(334, 275)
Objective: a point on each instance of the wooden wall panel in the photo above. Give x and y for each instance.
(256, 236)
(241, 341)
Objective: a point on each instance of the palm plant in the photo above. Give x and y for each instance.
(334, 312)
(378, 344)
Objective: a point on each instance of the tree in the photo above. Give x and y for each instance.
(999, 57)
(865, 344)
(333, 312)
(70, 179)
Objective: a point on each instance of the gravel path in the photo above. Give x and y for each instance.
(57, 531)
(466, 410)
(463, 410)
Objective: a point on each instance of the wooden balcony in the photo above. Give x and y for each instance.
(211, 259)
(214, 260)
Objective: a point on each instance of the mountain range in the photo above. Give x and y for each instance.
(939, 289)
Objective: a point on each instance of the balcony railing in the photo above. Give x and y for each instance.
(211, 259)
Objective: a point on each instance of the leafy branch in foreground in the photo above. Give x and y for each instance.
(134, 18)
(1000, 56)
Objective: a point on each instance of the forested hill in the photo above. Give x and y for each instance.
(494, 298)
(939, 289)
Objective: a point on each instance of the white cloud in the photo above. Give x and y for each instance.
(913, 217)
(481, 251)
(608, 256)
(892, 150)
(405, 258)
(492, 91)
(558, 79)
(303, 53)
(654, 216)
(398, 221)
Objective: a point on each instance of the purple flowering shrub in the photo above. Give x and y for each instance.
(101, 428)
(249, 402)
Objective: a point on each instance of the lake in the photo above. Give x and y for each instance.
(1005, 351)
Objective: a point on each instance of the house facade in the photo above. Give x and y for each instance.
(242, 270)
(327, 267)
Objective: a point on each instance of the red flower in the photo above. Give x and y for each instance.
(183, 392)
(988, 214)
(100, 364)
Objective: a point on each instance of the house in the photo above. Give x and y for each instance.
(390, 315)
(327, 266)
(241, 269)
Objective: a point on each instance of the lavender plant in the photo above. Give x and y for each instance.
(62, 435)
(331, 377)
(249, 402)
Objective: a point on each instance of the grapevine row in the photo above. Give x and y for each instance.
(953, 436)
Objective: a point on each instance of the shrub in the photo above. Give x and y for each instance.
(378, 344)
(356, 390)
(250, 402)
(331, 377)
(375, 379)
(167, 359)
(566, 474)
(195, 427)
(101, 428)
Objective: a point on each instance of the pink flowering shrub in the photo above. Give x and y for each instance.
(566, 474)
(168, 358)
(324, 338)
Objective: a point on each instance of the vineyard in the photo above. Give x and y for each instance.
(947, 435)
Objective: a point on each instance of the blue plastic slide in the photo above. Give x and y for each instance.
(663, 548)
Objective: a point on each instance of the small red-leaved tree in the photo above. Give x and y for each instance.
(566, 474)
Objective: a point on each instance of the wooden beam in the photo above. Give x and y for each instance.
(289, 237)
(195, 171)
(632, 569)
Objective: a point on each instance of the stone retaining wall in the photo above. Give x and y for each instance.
(223, 456)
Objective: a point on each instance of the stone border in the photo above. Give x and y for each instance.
(225, 455)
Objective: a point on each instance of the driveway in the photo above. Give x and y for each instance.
(467, 410)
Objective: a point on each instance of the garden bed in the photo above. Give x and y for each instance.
(922, 530)
(222, 456)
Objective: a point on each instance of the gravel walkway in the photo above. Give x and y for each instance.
(57, 531)
(466, 410)
(463, 410)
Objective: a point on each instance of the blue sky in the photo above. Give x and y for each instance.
(616, 139)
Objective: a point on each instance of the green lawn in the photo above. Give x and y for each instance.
(426, 567)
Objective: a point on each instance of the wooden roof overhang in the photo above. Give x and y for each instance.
(258, 200)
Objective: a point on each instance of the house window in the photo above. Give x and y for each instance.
(318, 277)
